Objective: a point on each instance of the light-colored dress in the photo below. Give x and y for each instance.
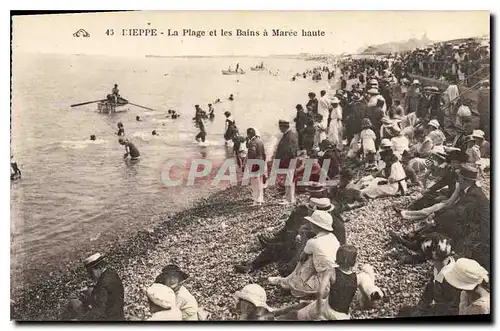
(305, 279)
(187, 304)
(397, 174)
(477, 307)
(335, 128)
(368, 140)
(399, 145)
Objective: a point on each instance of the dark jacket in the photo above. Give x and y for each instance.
(256, 149)
(300, 121)
(467, 223)
(287, 147)
(107, 298)
(312, 106)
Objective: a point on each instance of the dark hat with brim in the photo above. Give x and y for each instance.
(469, 139)
(469, 172)
(174, 269)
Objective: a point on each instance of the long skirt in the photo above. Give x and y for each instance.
(257, 186)
(326, 313)
(303, 281)
(335, 133)
(374, 190)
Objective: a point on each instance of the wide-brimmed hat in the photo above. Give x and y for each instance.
(439, 155)
(255, 294)
(394, 130)
(283, 122)
(386, 120)
(323, 204)
(93, 260)
(385, 143)
(478, 134)
(434, 89)
(335, 100)
(322, 219)
(434, 123)
(469, 172)
(161, 295)
(373, 91)
(415, 82)
(174, 269)
(466, 274)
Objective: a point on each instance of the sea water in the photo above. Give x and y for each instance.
(77, 194)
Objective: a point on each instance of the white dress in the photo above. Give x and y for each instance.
(335, 128)
(397, 173)
(368, 140)
(399, 145)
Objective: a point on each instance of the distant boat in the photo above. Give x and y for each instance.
(227, 72)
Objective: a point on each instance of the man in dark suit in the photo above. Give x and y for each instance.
(286, 151)
(105, 301)
(466, 222)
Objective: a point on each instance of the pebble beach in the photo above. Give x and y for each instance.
(221, 230)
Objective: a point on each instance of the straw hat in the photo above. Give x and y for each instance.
(466, 274)
(322, 204)
(255, 294)
(469, 172)
(416, 82)
(93, 260)
(478, 134)
(335, 100)
(385, 143)
(322, 219)
(161, 295)
(373, 91)
(434, 123)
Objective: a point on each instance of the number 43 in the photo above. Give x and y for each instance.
(110, 32)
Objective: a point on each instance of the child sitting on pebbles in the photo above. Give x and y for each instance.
(162, 303)
(337, 289)
(173, 277)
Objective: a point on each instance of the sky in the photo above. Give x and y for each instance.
(345, 31)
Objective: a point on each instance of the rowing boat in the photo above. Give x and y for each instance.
(110, 106)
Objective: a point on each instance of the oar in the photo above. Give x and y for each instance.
(86, 103)
(140, 106)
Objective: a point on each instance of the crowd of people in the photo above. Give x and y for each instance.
(379, 137)
(466, 63)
